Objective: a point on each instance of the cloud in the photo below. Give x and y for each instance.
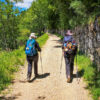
(25, 4)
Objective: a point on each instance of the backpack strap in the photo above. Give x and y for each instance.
(30, 41)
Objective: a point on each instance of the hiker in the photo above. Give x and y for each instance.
(31, 50)
(69, 49)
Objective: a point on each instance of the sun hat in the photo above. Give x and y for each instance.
(69, 32)
(68, 36)
(32, 35)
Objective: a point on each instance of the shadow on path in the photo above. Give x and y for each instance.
(78, 76)
(40, 77)
(11, 97)
(58, 46)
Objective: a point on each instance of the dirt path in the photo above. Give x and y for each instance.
(51, 85)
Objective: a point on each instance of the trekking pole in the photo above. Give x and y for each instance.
(41, 63)
(77, 70)
(61, 63)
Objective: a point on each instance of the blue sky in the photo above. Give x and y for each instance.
(23, 5)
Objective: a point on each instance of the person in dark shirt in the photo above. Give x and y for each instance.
(69, 58)
(33, 59)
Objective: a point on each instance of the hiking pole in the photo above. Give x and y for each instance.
(61, 63)
(77, 70)
(41, 63)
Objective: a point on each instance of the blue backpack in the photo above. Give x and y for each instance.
(30, 48)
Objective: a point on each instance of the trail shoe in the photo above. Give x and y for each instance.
(28, 79)
(68, 80)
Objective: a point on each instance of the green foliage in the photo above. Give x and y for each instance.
(42, 39)
(99, 21)
(90, 74)
(91, 19)
(35, 18)
(9, 63)
(41, 16)
(8, 25)
(23, 36)
(78, 7)
(61, 15)
(96, 93)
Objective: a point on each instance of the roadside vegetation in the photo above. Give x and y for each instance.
(88, 70)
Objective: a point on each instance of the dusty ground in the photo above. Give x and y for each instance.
(51, 85)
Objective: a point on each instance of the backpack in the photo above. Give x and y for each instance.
(70, 46)
(30, 48)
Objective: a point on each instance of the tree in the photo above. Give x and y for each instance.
(8, 25)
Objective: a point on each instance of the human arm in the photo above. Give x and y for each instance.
(37, 46)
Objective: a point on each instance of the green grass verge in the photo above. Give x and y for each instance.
(88, 70)
(42, 39)
(11, 61)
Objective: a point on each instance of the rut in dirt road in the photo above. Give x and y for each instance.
(51, 85)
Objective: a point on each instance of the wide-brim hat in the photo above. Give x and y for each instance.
(32, 35)
(69, 32)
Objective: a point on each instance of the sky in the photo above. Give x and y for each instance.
(23, 5)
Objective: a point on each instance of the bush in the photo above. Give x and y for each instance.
(9, 63)
(42, 39)
(90, 75)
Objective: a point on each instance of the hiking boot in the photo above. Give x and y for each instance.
(68, 80)
(28, 79)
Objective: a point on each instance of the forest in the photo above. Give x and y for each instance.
(43, 15)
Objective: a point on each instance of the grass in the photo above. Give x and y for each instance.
(90, 74)
(42, 40)
(11, 61)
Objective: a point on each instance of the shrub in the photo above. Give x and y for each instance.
(90, 75)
